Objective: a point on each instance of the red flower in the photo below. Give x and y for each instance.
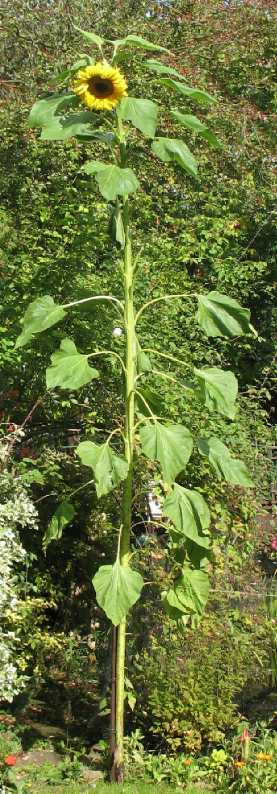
(274, 544)
(10, 760)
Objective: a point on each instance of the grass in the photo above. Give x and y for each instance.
(107, 788)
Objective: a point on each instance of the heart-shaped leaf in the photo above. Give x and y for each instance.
(175, 151)
(70, 369)
(113, 181)
(143, 113)
(117, 588)
(219, 315)
(189, 513)
(40, 315)
(109, 469)
(218, 389)
(227, 468)
(171, 445)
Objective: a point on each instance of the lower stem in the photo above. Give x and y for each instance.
(130, 364)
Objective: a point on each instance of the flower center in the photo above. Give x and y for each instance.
(100, 87)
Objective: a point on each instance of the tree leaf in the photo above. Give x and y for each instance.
(69, 369)
(219, 315)
(171, 445)
(219, 389)
(194, 124)
(109, 469)
(227, 468)
(176, 151)
(62, 516)
(189, 513)
(196, 94)
(40, 315)
(143, 113)
(138, 41)
(190, 592)
(113, 181)
(44, 110)
(161, 68)
(91, 37)
(117, 588)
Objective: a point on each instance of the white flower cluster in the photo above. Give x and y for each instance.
(16, 509)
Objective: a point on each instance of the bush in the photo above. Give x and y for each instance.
(188, 685)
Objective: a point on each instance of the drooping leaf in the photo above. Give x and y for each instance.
(190, 592)
(137, 41)
(171, 445)
(109, 469)
(143, 113)
(219, 315)
(113, 181)
(40, 315)
(153, 399)
(62, 516)
(218, 389)
(227, 468)
(117, 588)
(196, 94)
(62, 128)
(175, 151)
(69, 369)
(197, 126)
(91, 37)
(189, 513)
(143, 362)
(44, 110)
(161, 68)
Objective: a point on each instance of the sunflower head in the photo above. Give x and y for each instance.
(100, 86)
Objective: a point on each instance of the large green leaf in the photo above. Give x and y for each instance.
(109, 469)
(143, 113)
(171, 445)
(62, 516)
(137, 41)
(44, 110)
(113, 181)
(40, 315)
(70, 369)
(91, 37)
(161, 68)
(62, 128)
(227, 468)
(189, 513)
(190, 592)
(219, 315)
(196, 94)
(219, 389)
(117, 588)
(175, 151)
(194, 124)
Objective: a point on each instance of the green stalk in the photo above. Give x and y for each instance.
(130, 364)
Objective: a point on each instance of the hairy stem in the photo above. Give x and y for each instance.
(124, 551)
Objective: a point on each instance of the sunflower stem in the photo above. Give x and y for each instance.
(130, 365)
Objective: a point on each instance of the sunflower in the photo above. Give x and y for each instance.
(100, 86)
